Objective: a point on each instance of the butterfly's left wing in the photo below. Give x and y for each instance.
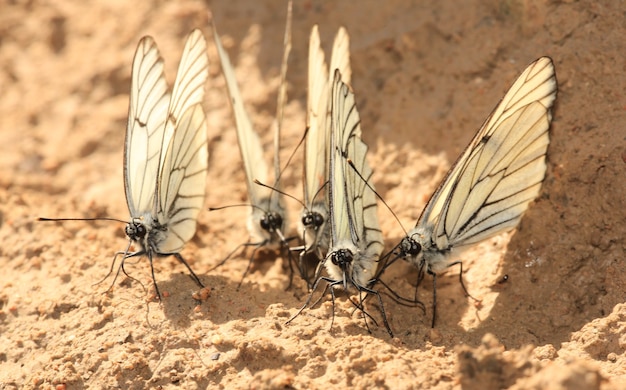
(147, 114)
(282, 95)
(501, 171)
(249, 142)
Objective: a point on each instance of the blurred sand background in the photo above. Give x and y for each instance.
(426, 74)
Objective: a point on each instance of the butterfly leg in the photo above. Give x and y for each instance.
(368, 292)
(193, 274)
(257, 247)
(221, 263)
(290, 260)
(360, 306)
(308, 301)
(125, 255)
(460, 264)
(244, 246)
(399, 299)
(111, 269)
(434, 275)
(156, 288)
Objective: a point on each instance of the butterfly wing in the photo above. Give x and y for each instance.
(188, 90)
(318, 110)
(317, 138)
(183, 179)
(282, 95)
(147, 114)
(340, 57)
(501, 171)
(184, 156)
(249, 142)
(352, 201)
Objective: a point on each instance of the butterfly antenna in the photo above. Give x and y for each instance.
(279, 191)
(236, 205)
(80, 219)
(319, 190)
(377, 195)
(280, 173)
(386, 256)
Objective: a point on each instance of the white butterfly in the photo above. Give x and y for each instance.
(267, 220)
(314, 227)
(356, 240)
(492, 183)
(165, 154)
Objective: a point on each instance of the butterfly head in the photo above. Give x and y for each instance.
(413, 246)
(266, 224)
(343, 259)
(136, 230)
(271, 222)
(410, 247)
(312, 220)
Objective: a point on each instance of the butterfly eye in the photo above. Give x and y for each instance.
(410, 247)
(313, 219)
(318, 220)
(135, 231)
(342, 258)
(271, 222)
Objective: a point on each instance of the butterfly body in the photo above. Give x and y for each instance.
(492, 183)
(356, 239)
(268, 215)
(165, 154)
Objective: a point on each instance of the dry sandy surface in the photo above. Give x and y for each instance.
(426, 74)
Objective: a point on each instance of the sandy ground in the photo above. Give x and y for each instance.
(426, 74)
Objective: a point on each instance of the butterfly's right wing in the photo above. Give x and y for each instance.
(147, 113)
(249, 142)
(183, 179)
(188, 90)
(501, 171)
(340, 57)
(353, 201)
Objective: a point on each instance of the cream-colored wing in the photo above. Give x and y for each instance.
(354, 222)
(188, 90)
(501, 171)
(317, 141)
(147, 114)
(249, 142)
(340, 56)
(183, 179)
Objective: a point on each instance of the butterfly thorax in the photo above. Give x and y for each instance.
(315, 230)
(419, 249)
